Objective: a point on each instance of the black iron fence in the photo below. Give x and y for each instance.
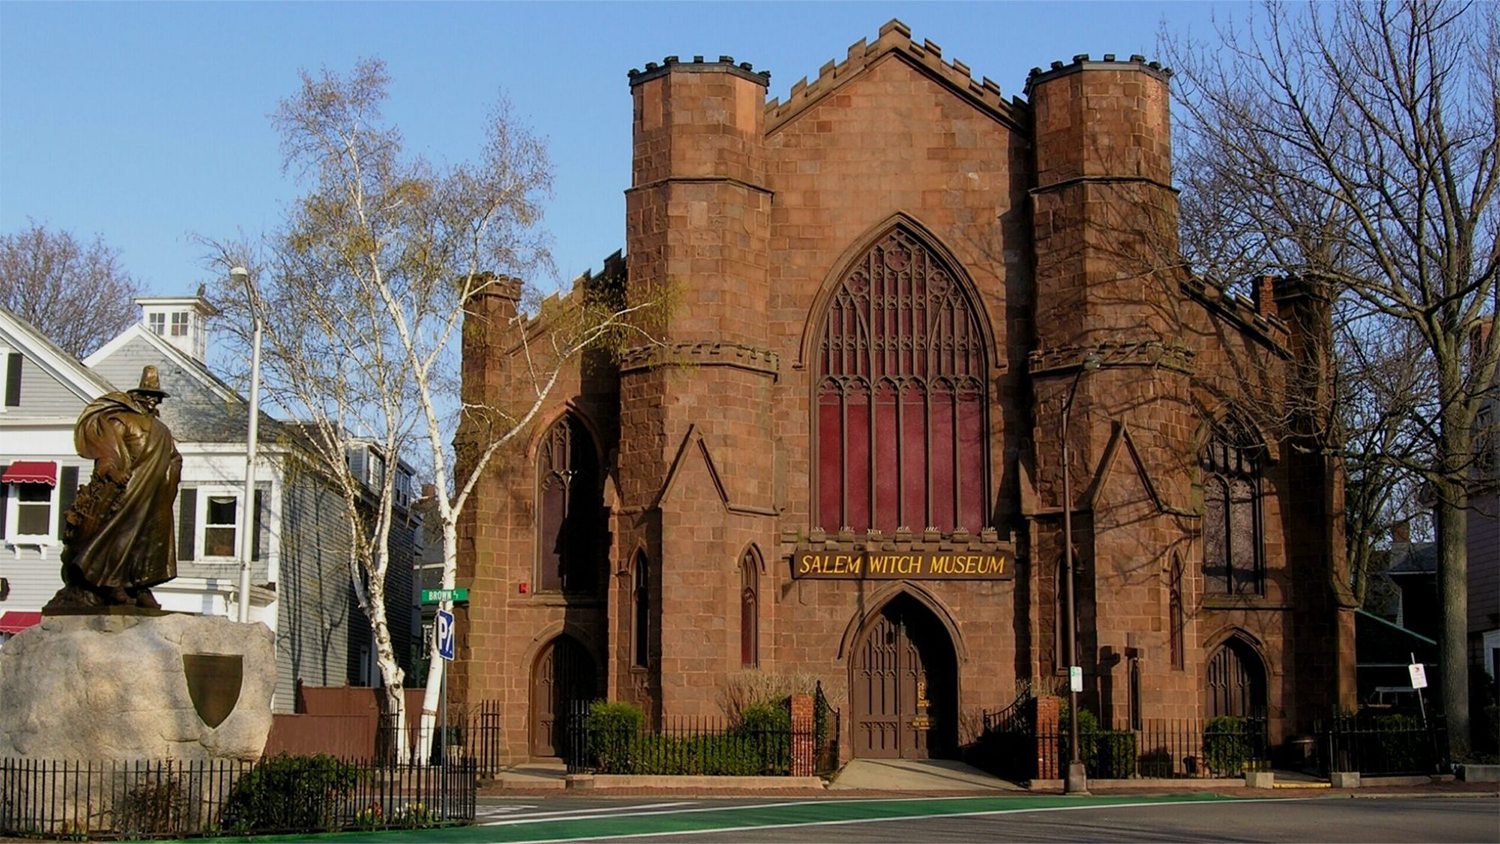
(827, 727)
(472, 732)
(281, 794)
(1376, 745)
(1007, 746)
(1012, 743)
(706, 746)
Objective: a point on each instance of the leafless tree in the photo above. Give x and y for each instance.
(362, 293)
(76, 293)
(1358, 146)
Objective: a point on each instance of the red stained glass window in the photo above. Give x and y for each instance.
(902, 400)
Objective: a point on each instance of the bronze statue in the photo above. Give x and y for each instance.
(118, 539)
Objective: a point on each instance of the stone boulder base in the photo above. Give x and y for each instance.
(113, 687)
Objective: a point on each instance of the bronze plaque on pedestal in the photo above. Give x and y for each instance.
(213, 682)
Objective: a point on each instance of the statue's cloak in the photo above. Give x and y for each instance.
(122, 537)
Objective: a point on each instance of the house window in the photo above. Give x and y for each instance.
(640, 616)
(750, 608)
(33, 509)
(1232, 558)
(570, 511)
(13, 379)
(157, 322)
(377, 469)
(901, 399)
(179, 323)
(219, 525)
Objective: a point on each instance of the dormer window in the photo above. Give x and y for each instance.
(179, 323)
(157, 322)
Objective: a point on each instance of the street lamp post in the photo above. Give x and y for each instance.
(252, 441)
(1077, 780)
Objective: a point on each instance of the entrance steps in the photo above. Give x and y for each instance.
(535, 774)
(917, 775)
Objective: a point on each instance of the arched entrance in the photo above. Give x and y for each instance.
(1236, 681)
(904, 685)
(562, 676)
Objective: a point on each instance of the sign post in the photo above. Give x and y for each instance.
(1418, 673)
(446, 633)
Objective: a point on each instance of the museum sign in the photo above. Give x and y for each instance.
(909, 565)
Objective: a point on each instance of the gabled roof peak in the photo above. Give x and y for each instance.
(895, 37)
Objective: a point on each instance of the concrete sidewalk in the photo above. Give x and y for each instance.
(917, 775)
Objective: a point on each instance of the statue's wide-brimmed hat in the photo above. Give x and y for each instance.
(151, 383)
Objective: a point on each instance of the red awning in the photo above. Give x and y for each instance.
(15, 621)
(31, 472)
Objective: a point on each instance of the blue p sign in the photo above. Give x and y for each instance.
(445, 634)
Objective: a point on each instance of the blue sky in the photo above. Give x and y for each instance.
(147, 122)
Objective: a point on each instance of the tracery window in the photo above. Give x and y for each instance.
(901, 397)
(1233, 562)
(750, 608)
(570, 499)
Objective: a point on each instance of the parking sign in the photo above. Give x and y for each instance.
(445, 634)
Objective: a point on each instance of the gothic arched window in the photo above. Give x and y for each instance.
(750, 608)
(1174, 613)
(640, 611)
(570, 509)
(1232, 558)
(901, 399)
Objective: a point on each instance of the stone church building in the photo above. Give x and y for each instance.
(841, 454)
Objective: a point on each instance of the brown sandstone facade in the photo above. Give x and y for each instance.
(883, 292)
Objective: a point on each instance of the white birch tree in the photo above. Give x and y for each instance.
(362, 293)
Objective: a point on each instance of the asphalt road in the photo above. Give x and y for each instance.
(697, 821)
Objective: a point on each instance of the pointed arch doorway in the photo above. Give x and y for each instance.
(904, 685)
(1236, 681)
(562, 676)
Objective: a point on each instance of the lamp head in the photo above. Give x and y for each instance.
(1091, 362)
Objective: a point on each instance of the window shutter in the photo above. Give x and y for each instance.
(187, 522)
(13, 380)
(261, 537)
(4, 505)
(67, 493)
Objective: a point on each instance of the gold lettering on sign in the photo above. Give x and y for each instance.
(925, 565)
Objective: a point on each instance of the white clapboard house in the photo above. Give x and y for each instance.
(301, 585)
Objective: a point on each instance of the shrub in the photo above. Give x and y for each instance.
(154, 807)
(297, 793)
(1227, 745)
(1404, 745)
(612, 727)
(1116, 754)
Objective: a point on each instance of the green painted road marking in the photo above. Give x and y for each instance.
(633, 824)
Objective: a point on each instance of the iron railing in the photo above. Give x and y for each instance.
(1390, 745)
(1013, 742)
(705, 746)
(473, 732)
(173, 799)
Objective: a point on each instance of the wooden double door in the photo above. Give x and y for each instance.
(904, 685)
(563, 679)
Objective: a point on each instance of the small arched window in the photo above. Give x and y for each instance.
(1233, 562)
(1174, 613)
(750, 608)
(900, 418)
(640, 616)
(570, 511)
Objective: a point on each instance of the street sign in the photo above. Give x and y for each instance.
(1075, 678)
(446, 634)
(437, 596)
(1418, 675)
